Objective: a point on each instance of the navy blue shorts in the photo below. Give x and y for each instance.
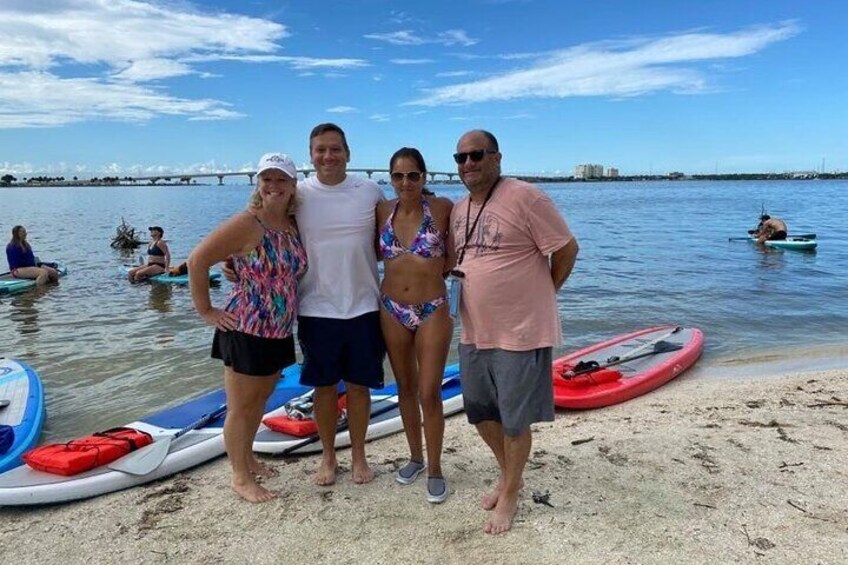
(341, 350)
(251, 355)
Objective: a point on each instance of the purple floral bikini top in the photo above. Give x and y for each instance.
(428, 242)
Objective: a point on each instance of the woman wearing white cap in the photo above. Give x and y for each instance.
(253, 331)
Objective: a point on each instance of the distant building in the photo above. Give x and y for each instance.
(612, 173)
(588, 171)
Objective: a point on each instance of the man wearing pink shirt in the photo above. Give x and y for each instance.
(513, 251)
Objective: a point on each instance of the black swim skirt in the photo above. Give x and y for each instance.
(251, 355)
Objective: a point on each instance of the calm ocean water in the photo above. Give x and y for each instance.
(651, 253)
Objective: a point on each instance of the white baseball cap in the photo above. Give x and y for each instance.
(279, 161)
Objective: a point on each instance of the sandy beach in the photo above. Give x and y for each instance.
(743, 470)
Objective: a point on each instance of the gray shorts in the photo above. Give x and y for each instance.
(514, 388)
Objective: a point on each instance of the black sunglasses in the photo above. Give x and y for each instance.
(414, 176)
(476, 155)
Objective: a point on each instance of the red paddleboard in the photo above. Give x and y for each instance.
(625, 367)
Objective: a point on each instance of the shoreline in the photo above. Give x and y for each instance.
(701, 470)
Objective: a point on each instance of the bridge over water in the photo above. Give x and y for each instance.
(187, 178)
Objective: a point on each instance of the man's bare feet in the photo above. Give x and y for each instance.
(490, 499)
(261, 470)
(252, 491)
(325, 475)
(501, 519)
(362, 473)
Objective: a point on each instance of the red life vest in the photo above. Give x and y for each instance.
(86, 453)
(583, 380)
(299, 427)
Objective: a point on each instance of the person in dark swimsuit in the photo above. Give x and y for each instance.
(414, 318)
(158, 257)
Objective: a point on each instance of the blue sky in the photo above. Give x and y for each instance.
(131, 87)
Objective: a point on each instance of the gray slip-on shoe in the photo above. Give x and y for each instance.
(437, 490)
(407, 474)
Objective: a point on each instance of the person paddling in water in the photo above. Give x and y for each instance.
(771, 229)
(253, 332)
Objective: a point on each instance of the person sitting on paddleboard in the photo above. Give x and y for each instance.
(22, 261)
(771, 229)
(158, 257)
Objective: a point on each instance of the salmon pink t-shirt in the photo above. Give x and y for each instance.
(508, 296)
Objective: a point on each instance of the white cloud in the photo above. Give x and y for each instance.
(379, 117)
(342, 109)
(452, 74)
(67, 61)
(41, 99)
(408, 37)
(411, 61)
(153, 69)
(617, 69)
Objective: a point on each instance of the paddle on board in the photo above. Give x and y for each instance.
(653, 347)
(148, 458)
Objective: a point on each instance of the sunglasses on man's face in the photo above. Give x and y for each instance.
(476, 155)
(413, 176)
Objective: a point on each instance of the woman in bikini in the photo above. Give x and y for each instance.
(414, 318)
(253, 332)
(158, 257)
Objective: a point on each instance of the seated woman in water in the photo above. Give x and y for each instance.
(158, 257)
(22, 261)
(253, 332)
(414, 318)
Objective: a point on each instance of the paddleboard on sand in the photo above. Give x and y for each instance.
(24, 486)
(21, 387)
(628, 366)
(166, 278)
(385, 420)
(11, 285)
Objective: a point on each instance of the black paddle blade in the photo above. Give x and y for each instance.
(666, 346)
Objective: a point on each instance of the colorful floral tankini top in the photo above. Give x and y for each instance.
(265, 296)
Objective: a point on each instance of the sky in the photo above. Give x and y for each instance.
(140, 87)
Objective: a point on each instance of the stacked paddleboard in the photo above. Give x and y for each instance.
(23, 485)
(11, 285)
(385, 420)
(625, 367)
(22, 398)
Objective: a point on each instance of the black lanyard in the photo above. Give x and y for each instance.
(470, 232)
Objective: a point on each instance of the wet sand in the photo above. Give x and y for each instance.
(748, 470)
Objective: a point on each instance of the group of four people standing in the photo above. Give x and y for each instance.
(309, 251)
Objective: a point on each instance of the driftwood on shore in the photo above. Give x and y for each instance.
(125, 237)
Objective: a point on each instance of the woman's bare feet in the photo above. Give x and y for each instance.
(325, 475)
(252, 491)
(501, 519)
(260, 469)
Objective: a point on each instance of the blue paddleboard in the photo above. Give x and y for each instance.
(11, 285)
(21, 386)
(24, 486)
